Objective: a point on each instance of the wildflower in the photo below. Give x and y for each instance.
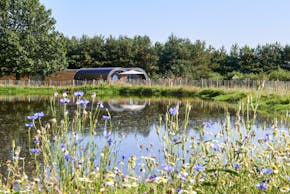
(106, 117)
(110, 141)
(68, 157)
(262, 186)
(198, 167)
(107, 134)
(39, 114)
(215, 147)
(100, 104)
(151, 178)
(64, 100)
(35, 150)
(37, 142)
(33, 117)
(285, 189)
(64, 94)
(206, 124)
(267, 171)
(29, 125)
(175, 139)
(109, 182)
(237, 166)
(79, 94)
(55, 94)
(166, 167)
(275, 169)
(94, 95)
(173, 111)
(84, 103)
(161, 179)
(266, 138)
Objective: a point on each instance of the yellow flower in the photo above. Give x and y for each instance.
(223, 181)
(285, 189)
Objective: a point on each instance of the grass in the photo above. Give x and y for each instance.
(68, 159)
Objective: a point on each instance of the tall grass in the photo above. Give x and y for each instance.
(67, 157)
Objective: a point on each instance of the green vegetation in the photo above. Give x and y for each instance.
(181, 58)
(68, 158)
(30, 45)
(267, 102)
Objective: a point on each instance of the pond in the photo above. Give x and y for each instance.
(134, 124)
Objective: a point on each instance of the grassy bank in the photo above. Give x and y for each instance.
(267, 102)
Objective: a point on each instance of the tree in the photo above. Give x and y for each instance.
(144, 54)
(29, 43)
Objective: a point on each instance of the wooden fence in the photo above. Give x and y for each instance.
(271, 86)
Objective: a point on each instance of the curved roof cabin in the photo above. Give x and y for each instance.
(111, 74)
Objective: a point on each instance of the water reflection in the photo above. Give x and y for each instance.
(134, 118)
(126, 105)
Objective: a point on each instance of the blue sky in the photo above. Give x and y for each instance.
(218, 22)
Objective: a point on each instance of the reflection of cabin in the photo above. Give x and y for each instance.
(111, 74)
(125, 105)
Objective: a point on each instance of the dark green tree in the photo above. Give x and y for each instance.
(248, 61)
(144, 54)
(270, 56)
(29, 43)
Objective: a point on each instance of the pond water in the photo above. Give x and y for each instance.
(134, 122)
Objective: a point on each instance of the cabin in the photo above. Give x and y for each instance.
(111, 74)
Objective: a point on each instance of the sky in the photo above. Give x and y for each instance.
(217, 22)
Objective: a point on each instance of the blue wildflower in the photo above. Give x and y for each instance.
(237, 166)
(79, 94)
(68, 157)
(167, 168)
(38, 114)
(266, 138)
(64, 100)
(215, 147)
(110, 141)
(84, 102)
(33, 117)
(152, 178)
(198, 167)
(173, 111)
(206, 124)
(29, 125)
(106, 117)
(267, 171)
(37, 142)
(175, 139)
(62, 146)
(96, 165)
(107, 134)
(35, 150)
(262, 186)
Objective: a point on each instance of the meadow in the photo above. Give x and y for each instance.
(66, 158)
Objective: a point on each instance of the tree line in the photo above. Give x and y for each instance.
(30, 46)
(179, 57)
